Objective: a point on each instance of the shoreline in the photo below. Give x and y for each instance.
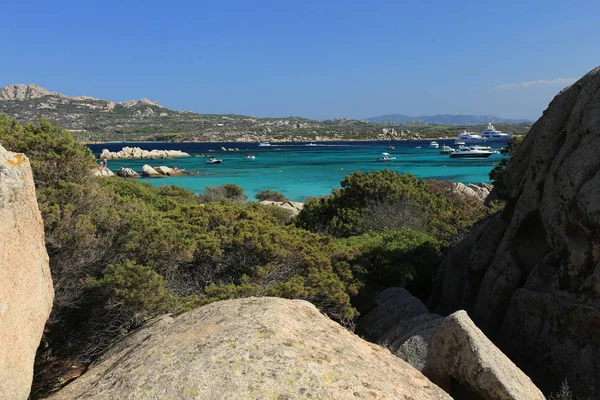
(321, 140)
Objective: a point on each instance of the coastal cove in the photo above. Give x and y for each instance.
(300, 170)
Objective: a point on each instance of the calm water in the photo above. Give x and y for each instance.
(300, 171)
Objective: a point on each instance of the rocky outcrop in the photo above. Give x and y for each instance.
(26, 291)
(479, 192)
(255, 348)
(136, 152)
(127, 173)
(292, 206)
(148, 171)
(451, 351)
(461, 352)
(529, 275)
(103, 172)
(24, 92)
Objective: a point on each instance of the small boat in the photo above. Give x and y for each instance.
(391, 147)
(417, 147)
(311, 144)
(386, 157)
(264, 144)
(213, 160)
(446, 150)
(459, 143)
(250, 157)
(433, 145)
(470, 152)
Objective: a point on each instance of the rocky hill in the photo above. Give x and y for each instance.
(92, 119)
(529, 274)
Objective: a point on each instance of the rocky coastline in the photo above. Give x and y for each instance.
(136, 152)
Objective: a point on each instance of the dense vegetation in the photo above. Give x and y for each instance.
(122, 251)
(386, 200)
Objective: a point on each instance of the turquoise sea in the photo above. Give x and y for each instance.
(299, 170)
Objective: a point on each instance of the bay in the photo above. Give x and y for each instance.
(301, 170)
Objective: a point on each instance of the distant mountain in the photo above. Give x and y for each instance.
(92, 119)
(446, 119)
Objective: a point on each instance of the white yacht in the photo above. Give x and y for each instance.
(250, 157)
(386, 157)
(433, 145)
(265, 144)
(471, 152)
(469, 138)
(491, 134)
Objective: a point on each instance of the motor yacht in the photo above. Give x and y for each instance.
(491, 134)
(250, 157)
(469, 138)
(470, 152)
(386, 157)
(264, 144)
(433, 145)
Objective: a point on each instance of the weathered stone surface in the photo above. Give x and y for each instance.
(463, 353)
(136, 152)
(149, 171)
(103, 171)
(127, 173)
(410, 339)
(544, 246)
(26, 291)
(254, 348)
(393, 305)
(24, 92)
(293, 206)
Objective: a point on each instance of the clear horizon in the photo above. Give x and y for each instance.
(315, 60)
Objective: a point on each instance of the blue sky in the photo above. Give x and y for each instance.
(318, 59)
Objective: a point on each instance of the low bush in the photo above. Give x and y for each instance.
(270, 195)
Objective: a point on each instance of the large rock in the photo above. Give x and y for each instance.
(127, 173)
(103, 172)
(292, 206)
(411, 339)
(26, 291)
(461, 352)
(529, 275)
(253, 348)
(149, 171)
(393, 305)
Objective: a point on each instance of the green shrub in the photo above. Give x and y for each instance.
(135, 287)
(386, 200)
(224, 193)
(270, 195)
(403, 258)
